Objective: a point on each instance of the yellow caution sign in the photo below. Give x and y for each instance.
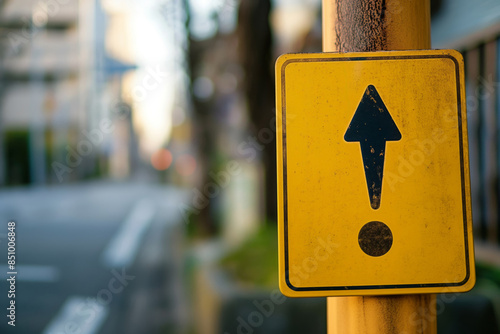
(373, 174)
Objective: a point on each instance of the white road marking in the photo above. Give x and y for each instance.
(123, 248)
(31, 273)
(78, 315)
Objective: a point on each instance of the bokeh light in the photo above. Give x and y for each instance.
(161, 159)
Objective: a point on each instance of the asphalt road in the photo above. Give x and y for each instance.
(93, 258)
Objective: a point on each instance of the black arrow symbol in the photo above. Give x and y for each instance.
(372, 126)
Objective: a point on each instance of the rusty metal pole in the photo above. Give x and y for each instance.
(378, 25)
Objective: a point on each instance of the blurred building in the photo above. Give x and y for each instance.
(473, 27)
(58, 86)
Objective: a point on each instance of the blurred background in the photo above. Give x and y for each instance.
(137, 158)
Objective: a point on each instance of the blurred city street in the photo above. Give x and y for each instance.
(94, 258)
(138, 161)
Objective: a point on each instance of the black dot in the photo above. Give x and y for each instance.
(375, 238)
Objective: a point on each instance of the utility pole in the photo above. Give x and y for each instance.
(378, 25)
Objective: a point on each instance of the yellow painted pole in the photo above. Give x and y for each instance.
(377, 25)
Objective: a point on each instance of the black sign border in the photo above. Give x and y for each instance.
(462, 168)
